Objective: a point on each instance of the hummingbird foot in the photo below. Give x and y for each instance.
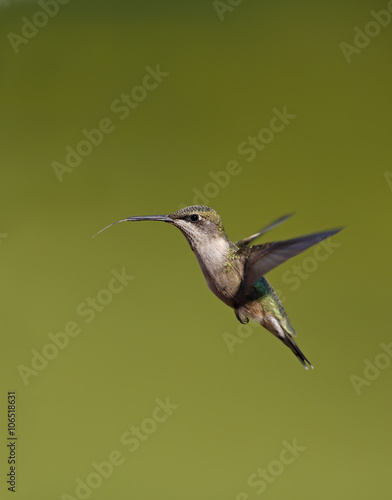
(242, 318)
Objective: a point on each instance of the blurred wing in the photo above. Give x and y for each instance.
(246, 241)
(263, 258)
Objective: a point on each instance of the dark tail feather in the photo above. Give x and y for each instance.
(290, 342)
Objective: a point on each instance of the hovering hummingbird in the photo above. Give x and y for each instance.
(235, 272)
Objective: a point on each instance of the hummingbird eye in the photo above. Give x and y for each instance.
(194, 218)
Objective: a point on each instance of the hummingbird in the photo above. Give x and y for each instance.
(235, 272)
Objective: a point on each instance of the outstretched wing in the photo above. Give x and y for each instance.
(263, 258)
(246, 241)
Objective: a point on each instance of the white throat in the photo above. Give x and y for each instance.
(212, 254)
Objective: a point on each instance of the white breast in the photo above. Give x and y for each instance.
(212, 258)
(213, 254)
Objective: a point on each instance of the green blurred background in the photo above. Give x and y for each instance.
(163, 335)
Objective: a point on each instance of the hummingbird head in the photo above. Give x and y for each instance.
(203, 229)
(199, 224)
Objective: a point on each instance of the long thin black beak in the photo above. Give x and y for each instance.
(161, 218)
